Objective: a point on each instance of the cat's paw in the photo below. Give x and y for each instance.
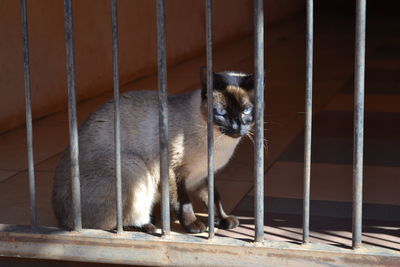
(229, 222)
(149, 228)
(195, 227)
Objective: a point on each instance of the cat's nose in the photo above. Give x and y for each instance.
(235, 126)
(244, 130)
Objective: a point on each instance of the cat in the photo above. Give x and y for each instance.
(233, 97)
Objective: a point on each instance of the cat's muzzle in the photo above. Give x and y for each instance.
(236, 132)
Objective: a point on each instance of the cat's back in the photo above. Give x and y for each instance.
(138, 107)
(138, 117)
(138, 122)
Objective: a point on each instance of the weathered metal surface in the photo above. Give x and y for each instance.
(358, 121)
(259, 119)
(28, 113)
(163, 113)
(308, 122)
(117, 134)
(179, 250)
(210, 120)
(73, 121)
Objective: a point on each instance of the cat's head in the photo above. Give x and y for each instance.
(233, 98)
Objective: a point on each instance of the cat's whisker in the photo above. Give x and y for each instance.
(272, 122)
(250, 137)
(265, 143)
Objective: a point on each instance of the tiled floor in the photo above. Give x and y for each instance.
(332, 158)
(331, 176)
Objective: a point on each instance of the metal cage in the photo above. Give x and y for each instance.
(140, 248)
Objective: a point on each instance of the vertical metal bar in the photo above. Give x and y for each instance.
(117, 136)
(73, 125)
(210, 123)
(28, 110)
(163, 113)
(259, 119)
(358, 121)
(307, 141)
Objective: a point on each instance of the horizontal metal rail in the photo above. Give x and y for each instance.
(142, 249)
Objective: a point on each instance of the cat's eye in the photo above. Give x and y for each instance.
(219, 111)
(248, 110)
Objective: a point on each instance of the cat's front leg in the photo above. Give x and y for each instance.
(223, 221)
(183, 208)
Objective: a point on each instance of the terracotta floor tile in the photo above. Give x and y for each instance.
(48, 141)
(333, 181)
(333, 136)
(386, 52)
(334, 231)
(15, 203)
(232, 192)
(49, 164)
(373, 103)
(84, 108)
(6, 174)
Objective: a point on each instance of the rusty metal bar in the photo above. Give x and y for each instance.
(358, 121)
(117, 134)
(259, 119)
(73, 124)
(307, 141)
(163, 113)
(210, 120)
(28, 113)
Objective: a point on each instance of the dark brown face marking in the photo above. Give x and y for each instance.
(242, 96)
(233, 102)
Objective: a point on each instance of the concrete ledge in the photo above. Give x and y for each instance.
(178, 250)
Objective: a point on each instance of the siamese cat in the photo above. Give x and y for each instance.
(233, 98)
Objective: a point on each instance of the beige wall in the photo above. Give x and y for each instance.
(92, 19)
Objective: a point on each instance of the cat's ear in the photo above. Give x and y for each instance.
(203, 78)
(247, 82)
